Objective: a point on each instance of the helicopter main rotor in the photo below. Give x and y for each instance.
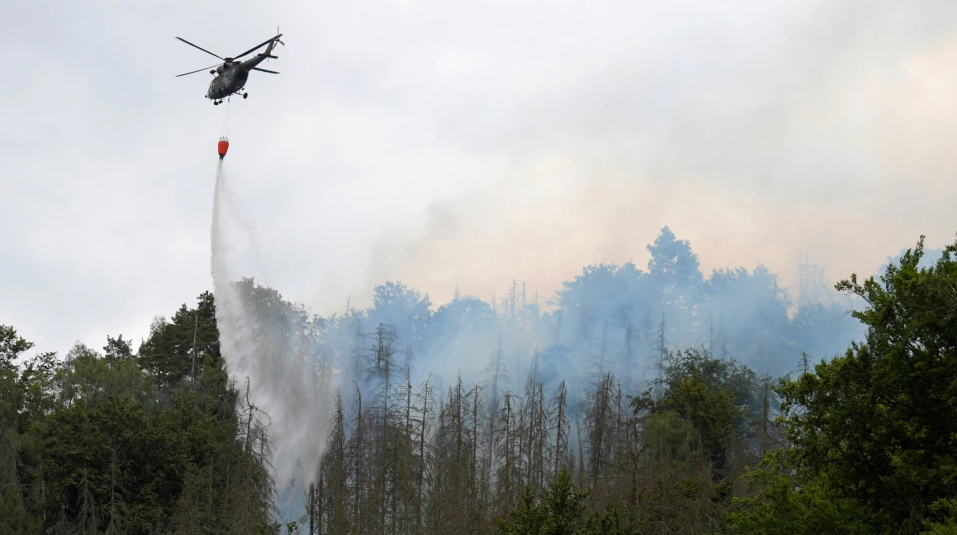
(226, 61)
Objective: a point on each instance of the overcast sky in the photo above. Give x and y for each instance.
(466, 142)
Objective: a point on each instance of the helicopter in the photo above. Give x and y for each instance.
(231, 75)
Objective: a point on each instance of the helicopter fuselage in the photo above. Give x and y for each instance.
(231, 79)
(228, 82)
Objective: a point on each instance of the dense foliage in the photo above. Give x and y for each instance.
(644, 402)
(873, 433)
(117, 442)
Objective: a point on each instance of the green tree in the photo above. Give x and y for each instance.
(95, 444)
(179, 350)
(14, 517)
(878, 426)
(792, 506)
(560, 511)
(717, 397)
(12, 346)
(944, 521)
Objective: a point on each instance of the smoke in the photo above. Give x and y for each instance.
(617, 318)
(288, 392)
(758, 132)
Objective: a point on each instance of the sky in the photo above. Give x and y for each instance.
(459, 143)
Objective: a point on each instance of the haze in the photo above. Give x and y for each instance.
(465, 143)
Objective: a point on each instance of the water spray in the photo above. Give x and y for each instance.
(282, 382)
(227, 199)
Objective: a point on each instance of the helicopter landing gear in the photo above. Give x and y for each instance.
(245, 95)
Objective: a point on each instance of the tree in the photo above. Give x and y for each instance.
(719, 398)
(405, 309)
(14, 517)
(792, 506)
(12, 345)
(87, 445)
(179, 349)
(824, 330)
(754, 308)
(674, 268)
(561, 511)
(879, 425)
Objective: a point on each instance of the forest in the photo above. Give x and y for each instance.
(655, 401)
